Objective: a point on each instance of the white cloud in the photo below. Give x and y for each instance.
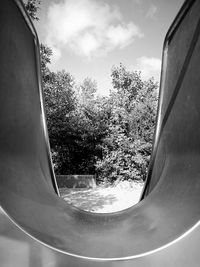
(122, 36)
(88, 27)
(152, 11)
(149, 67)
(87, 44)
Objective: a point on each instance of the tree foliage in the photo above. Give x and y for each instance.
(86, 91)
(32, 7)
(60, 102)
(127, 147)
(110, 136)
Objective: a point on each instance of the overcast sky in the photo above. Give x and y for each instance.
(88, 37)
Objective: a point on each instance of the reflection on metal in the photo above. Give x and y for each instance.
(163, 229)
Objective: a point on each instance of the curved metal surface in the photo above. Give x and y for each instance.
(159, 230)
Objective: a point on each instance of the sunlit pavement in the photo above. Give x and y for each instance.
(103, 199)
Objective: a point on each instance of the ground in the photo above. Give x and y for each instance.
(104, 199)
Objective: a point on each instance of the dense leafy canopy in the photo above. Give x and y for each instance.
(127, 146)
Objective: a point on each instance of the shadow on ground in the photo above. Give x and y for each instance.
(103, 199)
(87, 199)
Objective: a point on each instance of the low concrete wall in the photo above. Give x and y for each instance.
(76, 181)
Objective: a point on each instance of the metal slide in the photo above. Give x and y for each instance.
(42, 230)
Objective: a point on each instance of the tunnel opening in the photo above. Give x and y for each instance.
(106, 136)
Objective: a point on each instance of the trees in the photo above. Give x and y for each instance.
(88, 124)
(76, 128)
(60, 102)
(126, 83)
(127, 147)
(110, 136)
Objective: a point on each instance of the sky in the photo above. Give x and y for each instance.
(89, 37)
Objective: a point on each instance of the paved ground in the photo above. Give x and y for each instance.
(103, 200)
